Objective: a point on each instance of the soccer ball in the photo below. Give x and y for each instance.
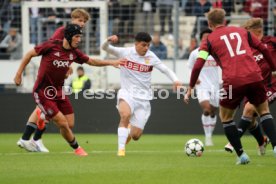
(194, 148)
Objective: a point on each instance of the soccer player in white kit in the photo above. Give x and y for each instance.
(133, 98)
(207, 90)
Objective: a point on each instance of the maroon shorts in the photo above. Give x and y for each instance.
(254, 92)
(271, 93)
(50, 107)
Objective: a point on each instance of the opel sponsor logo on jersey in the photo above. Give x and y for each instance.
(258, 57)
(61, 63)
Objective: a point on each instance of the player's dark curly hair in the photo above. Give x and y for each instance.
(207, 30)
(142, 37)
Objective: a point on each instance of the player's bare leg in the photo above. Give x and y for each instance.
(123, 132)
(67, 133)
(208, 119)
(232, 134)
(266, 120)
(135, 133)
(71, 120)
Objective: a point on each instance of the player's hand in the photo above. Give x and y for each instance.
(17, 79)
(119, 62)
(198, 82)
(69, 72)
(274, 74)
(176, 84)
(113, 39)
(187, 95)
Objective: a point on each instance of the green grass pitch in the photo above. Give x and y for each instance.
(154, 159)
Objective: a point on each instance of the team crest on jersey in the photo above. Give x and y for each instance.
(57, 54)
(147, 60)
(71, 56)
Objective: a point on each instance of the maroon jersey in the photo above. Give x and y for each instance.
(55, 63)
(58, 34)
(263, 64)
(231, 48)
(270, 43)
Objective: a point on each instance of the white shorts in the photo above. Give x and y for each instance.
(208, 95)
(140, 109)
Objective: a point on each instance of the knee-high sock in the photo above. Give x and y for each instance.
(213, 121)
(232, 135)
(257, 133)
(122, 137)
(38, 133)
(29, 130)
(206, 123)
(243, 125)
(266, 120)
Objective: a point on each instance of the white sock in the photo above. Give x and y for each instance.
(122, 137)
(205, 122)
(212, 122)
(129, 128)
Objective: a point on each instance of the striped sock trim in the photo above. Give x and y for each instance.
(265, 117)
(31, 124)
(246, 118)
(228, 124)
(73, 142)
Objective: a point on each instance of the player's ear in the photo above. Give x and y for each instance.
(209, 25)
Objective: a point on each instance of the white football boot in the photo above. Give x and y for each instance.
(40, 146)
(28, 145)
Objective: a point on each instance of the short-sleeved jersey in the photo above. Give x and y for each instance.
(231, 48)
(263, 64)
(209, 75)
(55, 63)
(58, 34)
(136, 73)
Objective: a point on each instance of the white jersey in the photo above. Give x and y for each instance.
(210, 74)
(136, 74)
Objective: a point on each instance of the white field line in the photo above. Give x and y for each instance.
(113, 152)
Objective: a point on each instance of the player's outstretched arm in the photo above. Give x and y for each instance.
(25, 61)
(170, 74)
(195, 73)
(99, 62)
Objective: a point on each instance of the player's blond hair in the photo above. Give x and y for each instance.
(254, 23)
(216, 16)
(80, 13)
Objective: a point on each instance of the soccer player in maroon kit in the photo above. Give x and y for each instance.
(35, 123)
(57, 55)
(248, 121)
(231, 48)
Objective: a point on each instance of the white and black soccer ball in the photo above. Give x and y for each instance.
(194, 148)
